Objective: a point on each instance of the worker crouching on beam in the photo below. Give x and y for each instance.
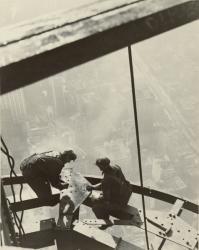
(43, 169)
(115, 190)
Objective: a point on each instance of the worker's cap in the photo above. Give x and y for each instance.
(102, 162)
(70, 155)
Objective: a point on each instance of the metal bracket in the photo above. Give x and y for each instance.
(171, 227)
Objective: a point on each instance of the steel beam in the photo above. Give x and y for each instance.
(41, 55)
(156, 194)
(6, 180)
(33, 203)
(88, 238)
(39, 239)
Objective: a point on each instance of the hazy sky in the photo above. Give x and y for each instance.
(13, 11)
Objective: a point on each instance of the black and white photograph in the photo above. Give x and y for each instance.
(99, 118)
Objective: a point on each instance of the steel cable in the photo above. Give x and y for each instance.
(137, 139)
(18, 221)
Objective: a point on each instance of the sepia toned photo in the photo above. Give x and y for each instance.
(99, 124)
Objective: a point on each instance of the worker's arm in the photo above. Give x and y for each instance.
(120, 174)
(51, 168)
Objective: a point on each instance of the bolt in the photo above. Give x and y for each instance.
(187, 243)
(189, 230)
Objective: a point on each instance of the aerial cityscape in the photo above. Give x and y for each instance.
(89, 109)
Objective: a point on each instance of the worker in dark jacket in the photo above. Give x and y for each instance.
(44, 169)
(116, 190)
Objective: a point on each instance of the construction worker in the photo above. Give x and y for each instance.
(44, 169)
(116, 190)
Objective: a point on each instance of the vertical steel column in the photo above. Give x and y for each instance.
(137, 138)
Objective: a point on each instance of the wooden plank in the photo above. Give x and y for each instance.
(51, 52)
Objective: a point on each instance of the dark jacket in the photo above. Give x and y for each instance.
(44, 165)
(115, 187)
